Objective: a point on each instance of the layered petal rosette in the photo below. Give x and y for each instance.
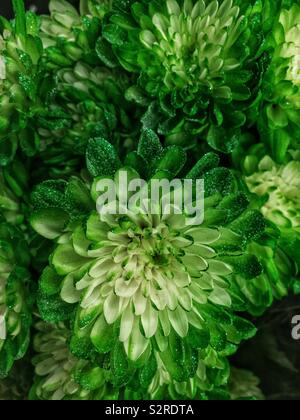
(69, 35)
(91, 103)
(21, 93)
(15, 302)
(58, 374)
(279, 123)
(197, 65)
(274, 191)
(281, 183)
(148, 280)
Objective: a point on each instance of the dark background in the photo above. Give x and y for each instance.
(6, 6)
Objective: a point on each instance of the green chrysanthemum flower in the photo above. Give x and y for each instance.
(280, 121)
(146, 280)
(196, 64)
(15, 317)
(274, 192)
(282, 184)
(91, 100)
(20, 80)
(69, 35)
(60, 375)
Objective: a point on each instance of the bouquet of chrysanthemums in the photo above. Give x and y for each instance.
(149, 194)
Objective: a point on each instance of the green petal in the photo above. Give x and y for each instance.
(49, 223)
(102, 335)
(65, 260)
(179, 321)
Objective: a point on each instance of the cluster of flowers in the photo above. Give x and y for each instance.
(136, 306)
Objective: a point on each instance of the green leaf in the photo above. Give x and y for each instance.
(121, 372)
(103, 336)
(52, 309)
(149, 147)
(89, 378)
(105, 53)
(114, 34)
(135, 161)
(246, 265)
(236, 204)
(49, 223)
(173, 160)
(280, 144)
(101, 158)
(250, 225)
(222, 139)
(66, 260)
(50, 282)
(245, 328)
(49, 194)
(20, 17)
(219, 180)
(147, 372)
(205, 164)
(77, 197)
(6, 359)
(198, 339)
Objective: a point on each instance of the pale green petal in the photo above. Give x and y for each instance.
(202, 250)
(220, 297)
(140, 302)
(182, 278)
(149, 320)
(111, 308)
(69, 293)
(219, 268)
(165, 322)
(125, 288)
(100, 268)
(195, 264)
(127, 322)
(185, 300)
(65, 259)
(179, 321)
(136, 345)
(204, 235)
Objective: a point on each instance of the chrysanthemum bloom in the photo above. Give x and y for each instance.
(60, 375)
(282, 185)
(280, 121)
(196, 64)
(20, 81)
(15, 316)
(91, 102)
(147, 280)
(69, 35)
(276, 188)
